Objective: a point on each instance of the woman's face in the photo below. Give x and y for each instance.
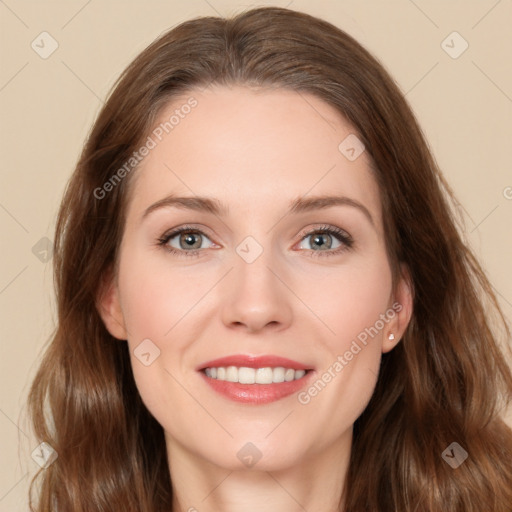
(282, 255)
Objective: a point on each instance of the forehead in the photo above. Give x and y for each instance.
(252, 149)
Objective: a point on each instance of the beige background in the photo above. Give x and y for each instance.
(464, 105)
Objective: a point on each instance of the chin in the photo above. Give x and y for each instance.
(253, 455)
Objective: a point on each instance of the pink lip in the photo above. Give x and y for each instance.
(256, 393)
(254, 362)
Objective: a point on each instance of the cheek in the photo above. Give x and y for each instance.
(155, 296)
(350, 300)
(354, 304)
(155, 300)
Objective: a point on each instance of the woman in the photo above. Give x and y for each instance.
(263, 298)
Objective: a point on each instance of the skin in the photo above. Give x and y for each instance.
(255, 151)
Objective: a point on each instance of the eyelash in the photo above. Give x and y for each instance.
(343, 237)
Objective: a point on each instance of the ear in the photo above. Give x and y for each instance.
(402, 305)
(109, 306)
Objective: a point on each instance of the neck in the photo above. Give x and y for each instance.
(315, 482)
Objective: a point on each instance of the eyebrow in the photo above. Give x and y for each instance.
(215, 207)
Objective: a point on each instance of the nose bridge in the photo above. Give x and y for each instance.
(255, 297)
(251, 272)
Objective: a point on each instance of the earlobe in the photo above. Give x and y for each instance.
(109, 307)
(403, 306)
(390, 341)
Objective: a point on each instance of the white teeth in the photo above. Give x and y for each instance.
(298, 374)
(289, 374)
(232, 374)
(278, 374)
(264, 376)
(245, 375)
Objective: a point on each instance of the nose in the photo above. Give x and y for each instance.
(255, 296)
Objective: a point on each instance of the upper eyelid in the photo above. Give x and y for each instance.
(171, 233)
(324, 227)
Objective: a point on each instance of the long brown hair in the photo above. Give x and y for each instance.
(447, 380)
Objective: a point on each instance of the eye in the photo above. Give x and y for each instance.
(185, 240)
(323, 241)
(326, 240)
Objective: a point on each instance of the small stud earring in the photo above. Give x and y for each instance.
(391, 336)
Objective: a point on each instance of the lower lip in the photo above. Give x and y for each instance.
(257, 393)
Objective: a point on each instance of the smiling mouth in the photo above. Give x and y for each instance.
(255, 379)
(246, 375)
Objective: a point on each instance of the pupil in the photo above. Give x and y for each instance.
(190, 240)
(319, 240)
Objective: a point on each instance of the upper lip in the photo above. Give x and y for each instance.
(253, 361)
